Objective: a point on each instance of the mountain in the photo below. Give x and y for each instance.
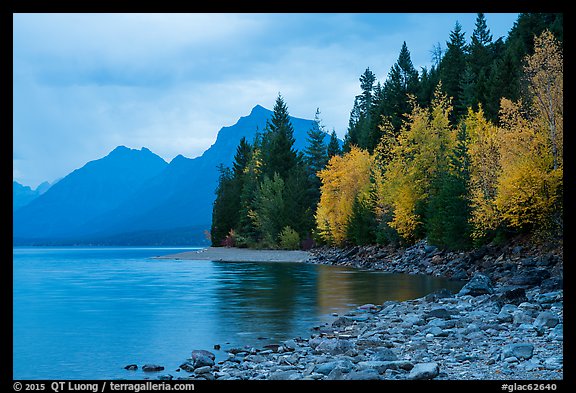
(98, 187)
(22, 195)
(170, 204)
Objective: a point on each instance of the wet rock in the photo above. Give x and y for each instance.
(201, 358)
(342, 322)
(152, 367)
(520, 351)
(428, 370)
(437, 313)
(202, 370)
(478, 285)
(131, 367)
(166, 377)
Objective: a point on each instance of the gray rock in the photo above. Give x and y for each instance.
(187, 366)
(554, 363)
(438, 313)
(557, 333)
(384, 354)
(152, 367)
(334, 346)
(342, 322)
(520, 351)
(520, 317)
(290, 345)
(284, 375)
(336, 374)
(363, 375)
(478, 285)
(326, 368)
(201, 358)
(131, 367)
(546, 319)
(166, 377)
(424, 371)
(504, 317)
(550, 297)
(202, 370)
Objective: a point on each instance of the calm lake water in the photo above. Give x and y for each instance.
(85, 313)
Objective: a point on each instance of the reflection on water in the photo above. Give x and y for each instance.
(86, 313)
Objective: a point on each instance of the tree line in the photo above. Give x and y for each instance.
(460, 154)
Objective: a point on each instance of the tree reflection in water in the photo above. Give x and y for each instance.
(278, 301)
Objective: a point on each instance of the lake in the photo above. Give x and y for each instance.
(85, 313)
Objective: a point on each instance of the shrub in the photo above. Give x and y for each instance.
(289, 239)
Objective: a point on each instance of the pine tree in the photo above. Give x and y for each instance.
(225, 212)
(478, 64)
(333, 148)
(449, 210)
(361, 228)
(316, 157)
(452, 68)
(402, 81)
(278, 154)
(241, 158)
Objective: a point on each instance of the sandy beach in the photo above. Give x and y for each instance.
(230, 254)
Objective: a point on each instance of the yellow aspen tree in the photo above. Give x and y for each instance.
(527, 186)
(343, 180)
(530, 187)
(420, 154)
(484, 153)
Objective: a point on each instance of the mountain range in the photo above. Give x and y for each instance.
(134, 197)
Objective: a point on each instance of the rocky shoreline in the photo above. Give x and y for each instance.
(505, 324)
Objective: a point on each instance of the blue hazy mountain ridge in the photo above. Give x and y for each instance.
(165, 204)
(65, 209)
(22, 195)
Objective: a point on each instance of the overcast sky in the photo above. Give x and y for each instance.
(86, 83)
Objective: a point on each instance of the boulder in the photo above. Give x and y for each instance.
(334, 346)
(520, 351)
(201, 358)
(530, 277)
(424, 371)
(384, 354)
(152, 367)
(131, 367)
(437, 313)
(478, 285)
(546, 319)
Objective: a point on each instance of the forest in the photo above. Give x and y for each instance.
(464, 153)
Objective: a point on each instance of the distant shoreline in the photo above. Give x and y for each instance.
(231, 254)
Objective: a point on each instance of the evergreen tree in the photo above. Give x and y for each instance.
(478, 64)
(402, 81)
(352, 135)
(452, 69)
(241, 158)
(361, 228)
(278, 154)
(316, 157)
(449, 210)
(225, 212)
(333, 148)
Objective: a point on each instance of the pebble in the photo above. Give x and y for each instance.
(487, 331)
